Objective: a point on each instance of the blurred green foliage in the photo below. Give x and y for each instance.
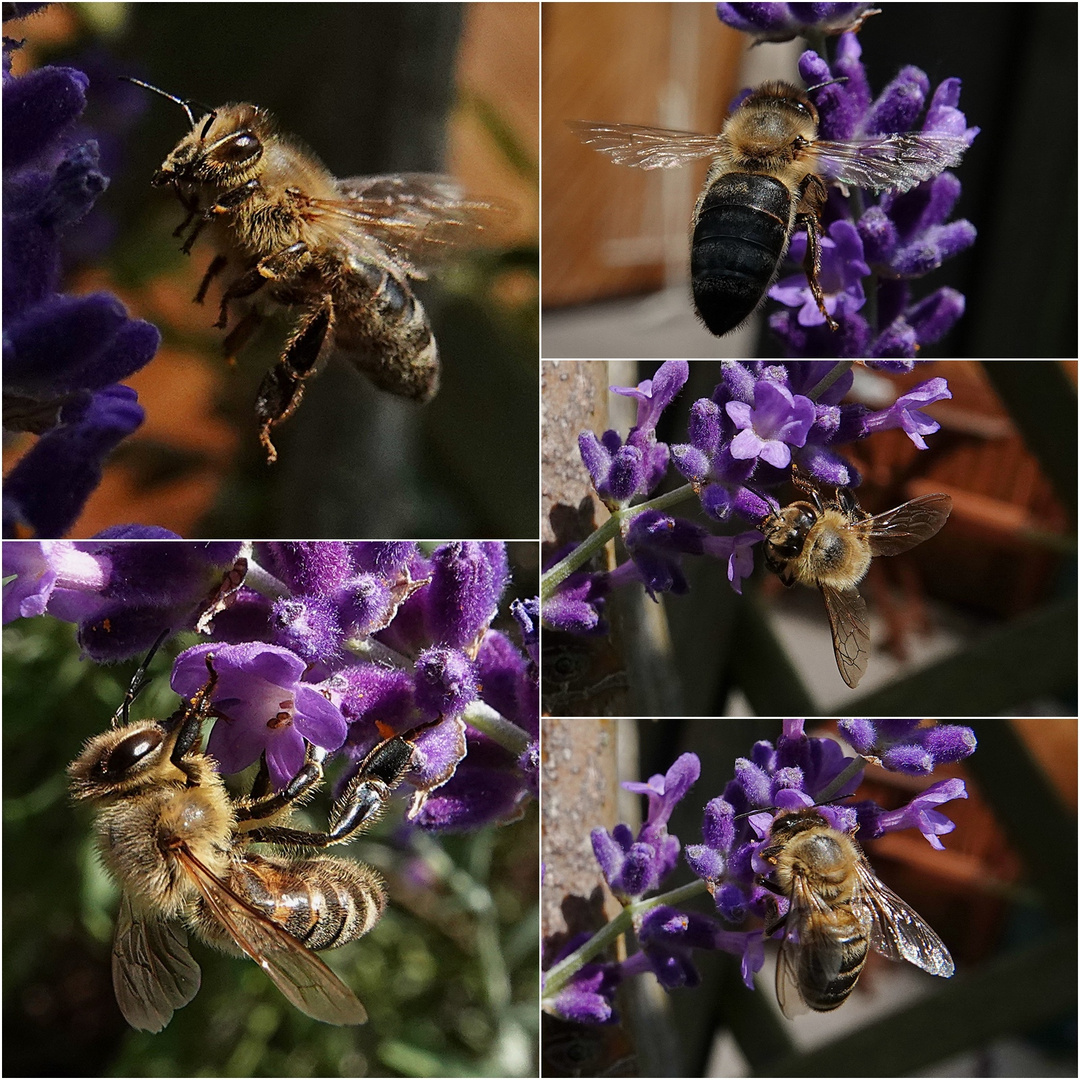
(448, 976)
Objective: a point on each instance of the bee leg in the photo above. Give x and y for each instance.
(228, 201)
(251, 281)
(190, 717)
(265, 805)
(240, 334)
(361, 804)
(811, 266)
(282, 387)
(191, 205)
(216, 266)
(812, 198)
(288, 261)
(366, 795)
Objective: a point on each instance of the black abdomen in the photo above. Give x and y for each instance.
(740, 237)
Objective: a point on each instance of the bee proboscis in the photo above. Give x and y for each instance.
(340, 254)
(178, 845)
(768, 178)
(830, 544)
(837, 911)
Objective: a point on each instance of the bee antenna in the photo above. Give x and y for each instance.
(184, 103)
(139, 680)
(828, 82)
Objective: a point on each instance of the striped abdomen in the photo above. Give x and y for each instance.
(740, 235)
(831, 958)
(322, 902)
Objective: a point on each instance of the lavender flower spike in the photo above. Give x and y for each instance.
(64, 356)
(782, 22)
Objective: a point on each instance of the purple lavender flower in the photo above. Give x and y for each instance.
(64, 356)
(905, 412)
(782, 22)
(467, 583)
(527, 615)
(776, 422)
(619, 470)
(841, 276)
(263, 706)
(632, 866)
(889, 241)
(577, 606)
(304, 659)
(121, 595)
(920, 813)
(905, 746)
(794, 775)
(589, 996)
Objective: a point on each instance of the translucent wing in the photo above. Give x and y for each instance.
(896, 162)
(646, 147)
(800, 947)
(850, 635)
(898, 932)
(153, 972)
(419, 217)
(294, 969)
(788, 994)
(905, 526)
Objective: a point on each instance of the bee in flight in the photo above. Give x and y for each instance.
(837, 911)
(178, 845)
(768, 179)
(831, 543)
(341, 255)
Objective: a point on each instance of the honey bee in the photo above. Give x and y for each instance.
(830, 545)
(837, 911)
(177, 843)
(341, 254)
(768, 178)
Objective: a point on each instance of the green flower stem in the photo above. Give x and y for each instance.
(855, 765)
(496, 727)
(260, 580)
(557, 978)
(596, 541)
(838, 369)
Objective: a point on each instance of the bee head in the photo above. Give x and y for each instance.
(224, 148)
(785, 531)
(125, 759)
(782, 95)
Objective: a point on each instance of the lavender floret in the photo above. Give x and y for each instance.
(797, 773)
(64, 356)
(296, 669)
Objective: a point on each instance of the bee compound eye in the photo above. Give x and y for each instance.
(238, 148)
(131, 751)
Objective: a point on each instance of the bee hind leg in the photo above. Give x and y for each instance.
(366, 795)
(812, 198)
(812, 266)
(282, 387)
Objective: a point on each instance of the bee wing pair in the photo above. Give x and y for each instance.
(417, 217)
(892, 927)
(154, 973)
(889, 533)
(898, 162)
